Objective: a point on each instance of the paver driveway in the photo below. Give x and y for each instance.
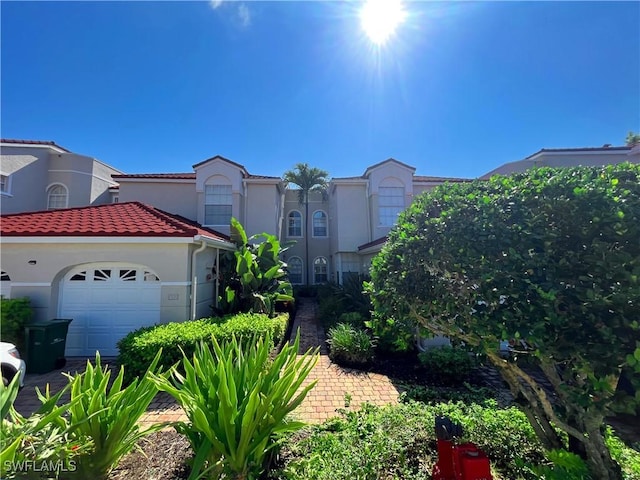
(334, 382)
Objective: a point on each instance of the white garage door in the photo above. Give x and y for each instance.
(106, 301)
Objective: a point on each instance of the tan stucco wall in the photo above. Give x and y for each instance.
(177, 198)
(29, 170)
(34, 169)
(40, 282)
(318, 246)
(261, 208)
(352, 217)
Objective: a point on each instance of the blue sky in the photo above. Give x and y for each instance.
(461, 88)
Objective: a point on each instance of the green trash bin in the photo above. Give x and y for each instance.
(45, 343)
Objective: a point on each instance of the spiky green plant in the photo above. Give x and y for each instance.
(237, 400)
(40, 440)
(108, 415)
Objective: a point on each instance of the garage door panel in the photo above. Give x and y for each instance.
(105, 311)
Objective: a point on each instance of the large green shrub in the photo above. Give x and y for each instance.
(446, 365)
(550, 255)
(336, 300)
(237, 400)
(138, 348)
(15, 313)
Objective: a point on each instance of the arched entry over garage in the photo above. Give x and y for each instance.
(106, 301)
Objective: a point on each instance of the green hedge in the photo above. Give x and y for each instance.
(15, 313)
(139, 347)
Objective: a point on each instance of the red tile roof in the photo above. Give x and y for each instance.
(578, 150)
(33, 142)
(129, 219)
(220, 157)
(377, 241)
(422, 178)
(176, 176)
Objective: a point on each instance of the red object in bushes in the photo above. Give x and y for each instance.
(458, 462)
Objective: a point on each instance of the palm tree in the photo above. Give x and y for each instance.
(632, 139)
(308, 179)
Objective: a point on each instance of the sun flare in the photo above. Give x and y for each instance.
(380, 18)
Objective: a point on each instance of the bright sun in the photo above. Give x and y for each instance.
(380, 18)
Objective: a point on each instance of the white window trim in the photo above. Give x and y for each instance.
(50, 187)
(7, 184)
(301, 270)
(381, 206)
(326, 225)
(301, 224)
(205, 205)
(314, 270)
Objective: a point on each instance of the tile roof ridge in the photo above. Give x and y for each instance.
(168, 217)
(18, 141)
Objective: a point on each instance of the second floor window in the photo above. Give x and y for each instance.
(218, 203)
(319, 224)
(390, 203)
(57, 197)
(294, 224)
(4, 184)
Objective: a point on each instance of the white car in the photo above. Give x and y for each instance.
(12, 364)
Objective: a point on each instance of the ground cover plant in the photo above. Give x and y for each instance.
(399, 442)
(550, 256)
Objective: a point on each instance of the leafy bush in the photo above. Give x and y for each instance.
(562, 465)
(432, 394)
(354, 319)
(349, 345)
(253, 276)
(237, 400)
(549, 255)
(446, 365)
(398, 441)
(394, 336)
(336, 300)
(15, 313)
(108, 415)
(41, 439)
(628, 458)
(139, 347)
(330, 308)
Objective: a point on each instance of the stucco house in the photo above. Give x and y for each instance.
(570, 157)
(357, 211)
(140, 249)
(111, 268)
(39, 175)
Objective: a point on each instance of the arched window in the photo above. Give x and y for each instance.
(390, 203)
(294, 267)
(320, 270)
(57, 197)
(218, 204)
(294, 224)
(319, 224)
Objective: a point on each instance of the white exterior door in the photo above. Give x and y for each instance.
(106, 301)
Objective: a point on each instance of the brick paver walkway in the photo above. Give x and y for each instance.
(337, 387)
(335, 384)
